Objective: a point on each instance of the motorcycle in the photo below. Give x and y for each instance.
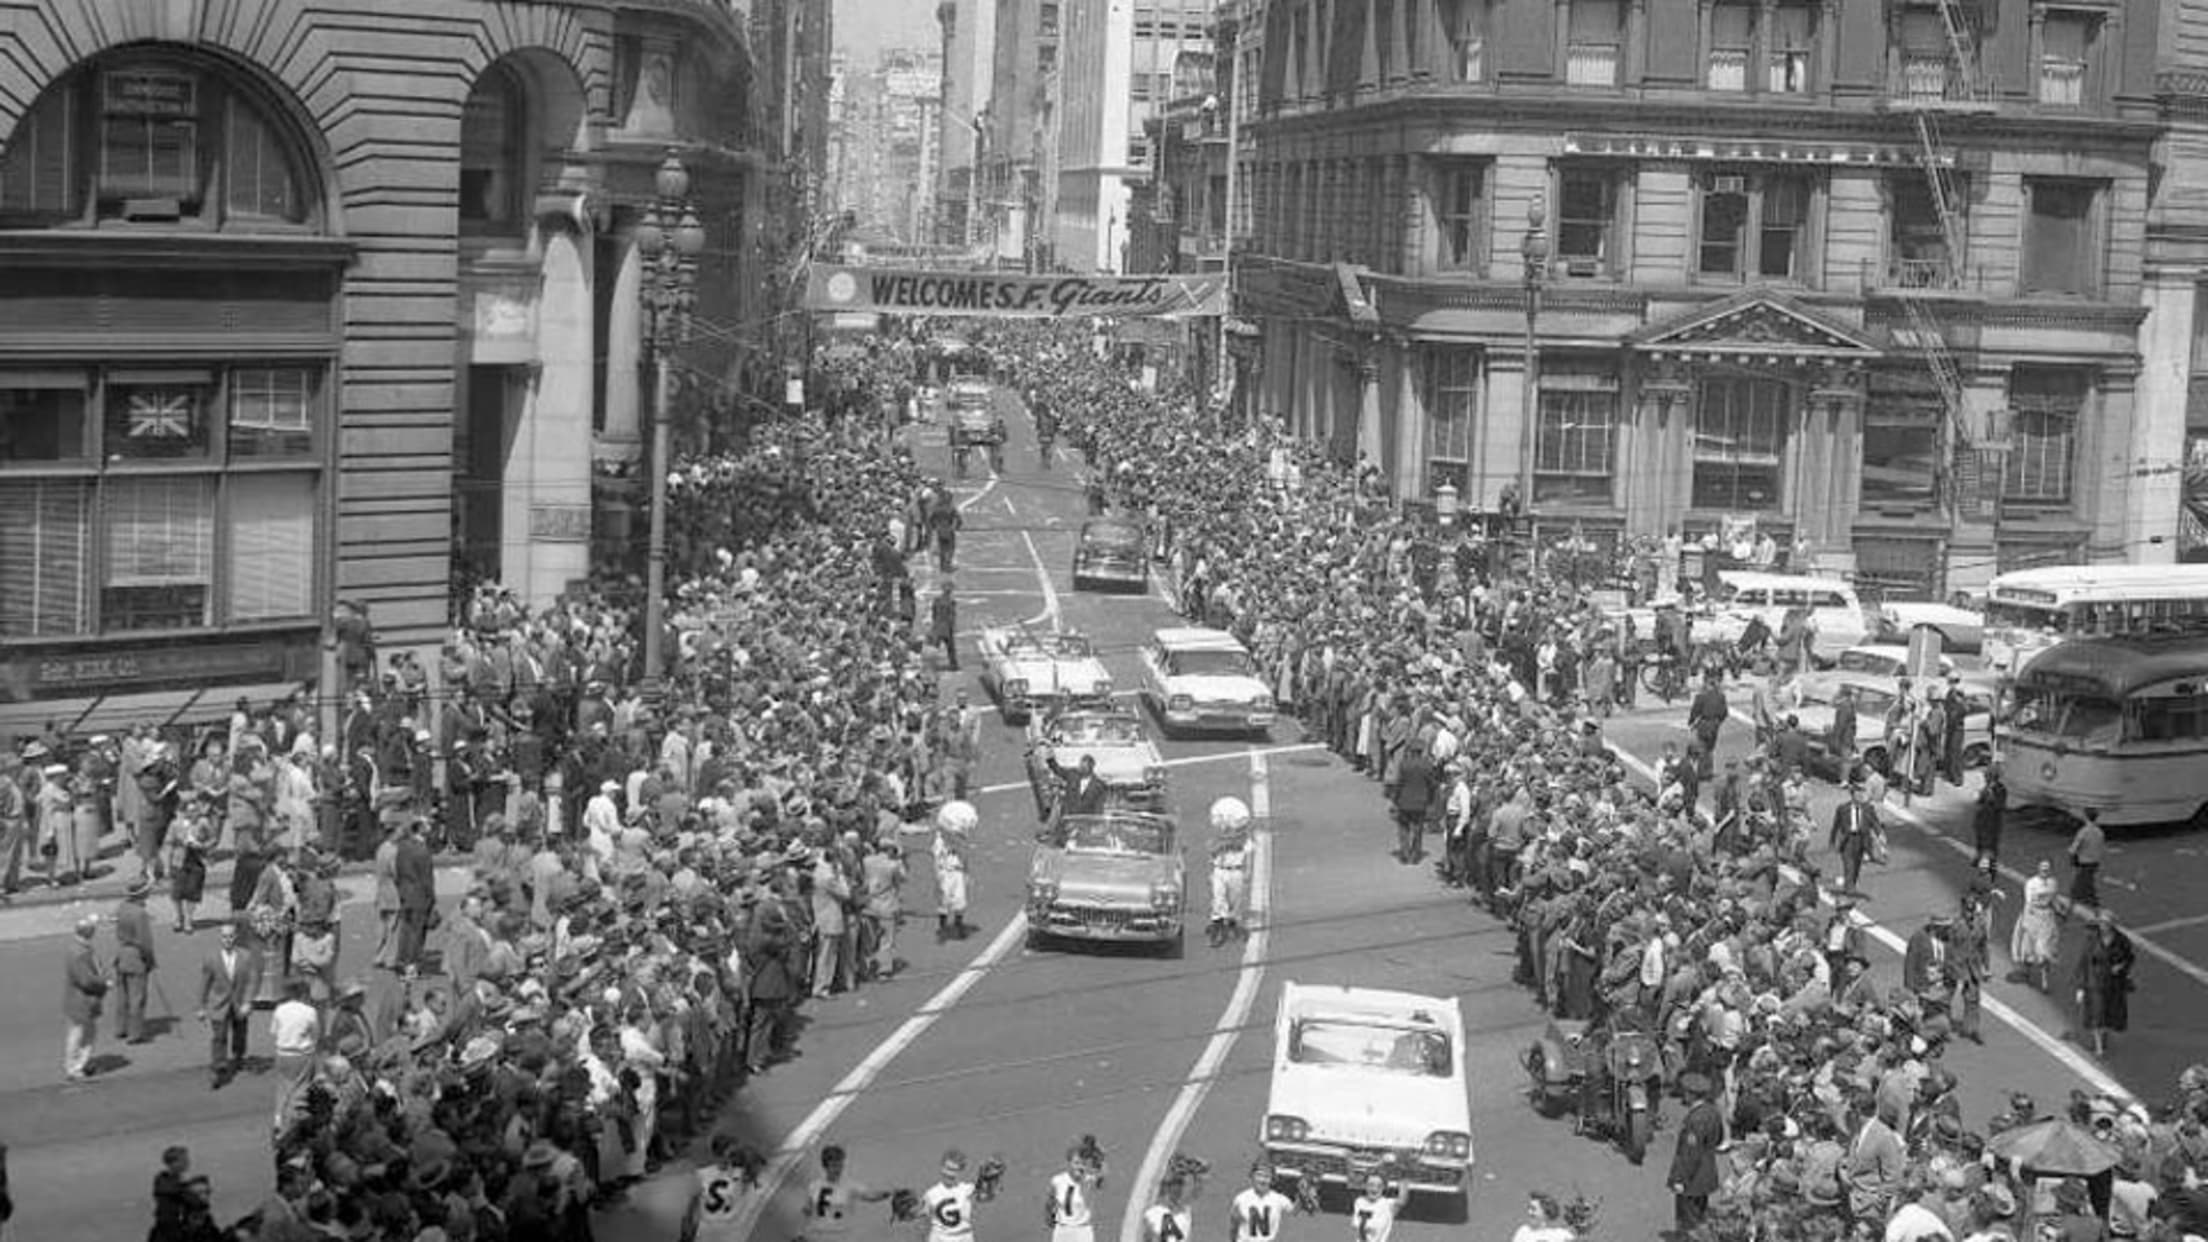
(1613, 1079)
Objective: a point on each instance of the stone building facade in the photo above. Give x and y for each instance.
(1868, 274)
(304, 304)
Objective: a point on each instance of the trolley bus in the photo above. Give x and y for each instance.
(2117, 725)
(2030, 610)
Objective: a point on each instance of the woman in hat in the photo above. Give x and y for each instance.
(2104, 981)
(2032, 943)
(196, 831)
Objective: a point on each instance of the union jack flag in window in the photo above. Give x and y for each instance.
(161, 414)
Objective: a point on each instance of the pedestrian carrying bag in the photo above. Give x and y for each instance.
(1878, 844)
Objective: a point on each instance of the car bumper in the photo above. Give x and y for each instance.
(1347, 1166)
(1107, 923)
(1221, 718)
(1120, 573)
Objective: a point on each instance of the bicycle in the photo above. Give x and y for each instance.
(1662, 676)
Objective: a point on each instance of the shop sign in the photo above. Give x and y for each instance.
(147, 668)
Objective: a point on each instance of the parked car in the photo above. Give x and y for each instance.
(1111, 552)
(1874, 696)
(1960, 629)
(1025, 671)
(1199, 679)
(1119, 876)
(1126, 759)
(1883, 660)
(1365, 1078)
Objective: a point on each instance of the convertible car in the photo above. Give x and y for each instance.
(1126, 759)
(1026, 672)
(1118, 876)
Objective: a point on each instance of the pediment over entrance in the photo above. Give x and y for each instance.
(1755, 327)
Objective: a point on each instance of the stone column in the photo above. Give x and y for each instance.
(2155, 455)
(1371, 443)
(547, 529)
(623, 437)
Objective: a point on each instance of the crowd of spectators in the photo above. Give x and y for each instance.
(1698, 912)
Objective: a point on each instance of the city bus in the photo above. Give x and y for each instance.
(2030, 610)
(2117, 725)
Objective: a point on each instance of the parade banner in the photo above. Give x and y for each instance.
(1013, 295)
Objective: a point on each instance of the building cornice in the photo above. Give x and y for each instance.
(124, 248)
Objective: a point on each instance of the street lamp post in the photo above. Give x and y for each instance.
(670, 239)
(1534, 250)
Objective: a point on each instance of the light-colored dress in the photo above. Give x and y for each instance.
(2034, 939)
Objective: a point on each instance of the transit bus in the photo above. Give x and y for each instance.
(2030, 610)
(2117, 725)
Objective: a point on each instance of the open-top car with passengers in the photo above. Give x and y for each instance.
(974, 419)
(1127, 761)
(1027, 672)
(1203, 680)
(1119, 876)
(1367, 1080)
(1111, 552)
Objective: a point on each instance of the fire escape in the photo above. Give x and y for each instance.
(1932, 84)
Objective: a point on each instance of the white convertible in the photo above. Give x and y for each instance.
(1366, 1080)
(1202, 679)
(1026, 671)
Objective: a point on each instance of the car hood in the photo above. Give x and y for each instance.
(1115, 764)
(1118, 877)
(1055, 676)
(1216, 687)
(1343, 1104)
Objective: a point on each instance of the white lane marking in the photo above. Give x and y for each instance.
(2070, 1058)
(1185, 761)
(1206, 1070)
(2167, 925)
(809, 1131)
(1261, 787)
(1052, 606)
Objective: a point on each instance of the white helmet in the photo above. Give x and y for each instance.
(1229, 815)
(957, 817)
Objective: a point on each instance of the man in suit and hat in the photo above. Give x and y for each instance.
(1693, 1176)
(943, 625)
(227, 980)
(1853, 824)
(134, 958)
(1927, 968)
(81, 1002)
(415, 871)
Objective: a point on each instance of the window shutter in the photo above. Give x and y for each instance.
(160, 532)
(271, 546)
(44, 527)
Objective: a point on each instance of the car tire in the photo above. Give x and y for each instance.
(1176, 948)
(1038, 941)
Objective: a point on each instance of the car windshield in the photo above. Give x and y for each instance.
(1115, 835)
(1099, 731)
(1210, 663)
(1113, 536)
(1069, 646)
(1370, 1045)
(1857, 660)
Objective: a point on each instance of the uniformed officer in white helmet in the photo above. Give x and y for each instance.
(954, 827)
(1230, 869)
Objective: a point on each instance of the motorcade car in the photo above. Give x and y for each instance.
(1197, 679)
(1961, 630)
(1127, 761)
(1874, 697)
(974, 419)
(1116, 877)
(1027, 671)
(1368, 1080)
(1834, 609)
(1111, 552)
(1884, 660)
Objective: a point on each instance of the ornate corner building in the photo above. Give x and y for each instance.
(301, 304)
(1911, 283)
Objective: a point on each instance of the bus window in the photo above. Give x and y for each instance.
(2092, 721)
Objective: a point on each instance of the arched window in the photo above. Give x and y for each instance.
(494, 152)
(154, 141)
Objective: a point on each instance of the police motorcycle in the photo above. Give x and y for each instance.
(1609, 1072)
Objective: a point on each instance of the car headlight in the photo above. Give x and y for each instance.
(1042, 892)
(1101, 687)
(1164, 897)
(1449, 1144)
(1284, 1129)
(1016, 687)
(1263, 702)
(1179, 703)
(1154, 774)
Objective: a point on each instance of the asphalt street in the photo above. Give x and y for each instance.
(997, 1048)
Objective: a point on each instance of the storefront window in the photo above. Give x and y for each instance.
(45, 557)
(157, 416)
(160, 553)
(43, 418)
(1740, 431)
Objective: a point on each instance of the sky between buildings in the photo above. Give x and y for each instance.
(866, 27)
